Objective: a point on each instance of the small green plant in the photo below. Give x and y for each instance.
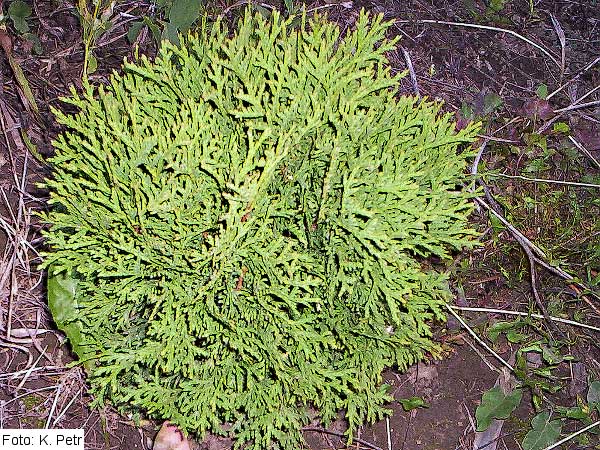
(178, 16)
(96, 19)
(238, 229)
(537, 369)
(546, 426)
(19, 12)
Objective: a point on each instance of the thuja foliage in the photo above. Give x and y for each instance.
(245, 220)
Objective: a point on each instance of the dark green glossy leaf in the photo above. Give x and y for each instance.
(544, 432)
(496, 405)
(183, 13)
(411, 403)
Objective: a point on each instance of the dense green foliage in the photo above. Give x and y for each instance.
(244, 219)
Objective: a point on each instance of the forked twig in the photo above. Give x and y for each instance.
(584, 150)
(574, 77)
(576, 105)
(478, 339)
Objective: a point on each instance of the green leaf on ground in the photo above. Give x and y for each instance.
(411, 403)
(61, 297)
(184, 13)
(561, 127)
(496, 405)
(574, 412)
(515, 337)
(544, 432)
(593, 396)
(501, 327)
(542, 91)
(134, 30)
(62, 291)
(19, 11)
(491, 102)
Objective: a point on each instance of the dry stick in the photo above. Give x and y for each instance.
(571, 436)
(574, 283)
(478, 339)
(578, 105)
(586, 95)
(65, 409)
(475, 167)
(52, 371)
(511, 228)
(577, 75)
(51, 413)
(30, 369)
(545, 180)
(18, 347)
(480, 354)
(244, 2)
(529, 247)
(524, 314)
(540, 258)
(563, 41)
(389, 434)
(28, 393)
(341, 435)
(573, 106)
(524, 243)
(346, 5)
(485, 27)
(584, 150)
(411, 71)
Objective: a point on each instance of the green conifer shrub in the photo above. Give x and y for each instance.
(240, 227)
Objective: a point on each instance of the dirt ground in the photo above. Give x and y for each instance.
(457, 51)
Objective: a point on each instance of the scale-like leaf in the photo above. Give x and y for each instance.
(246, 218)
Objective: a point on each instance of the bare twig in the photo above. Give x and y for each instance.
(478, 339)
(411, 71)
(511, 228)
(571, 436)
(580, 72)
(346, 5)
(389, 434)
(524, 314)
(51, 413)
(575, 106)
(584, 150)
(545, 180)
(527, 247)
(489, 28)
(563, 41)
(341, 435)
